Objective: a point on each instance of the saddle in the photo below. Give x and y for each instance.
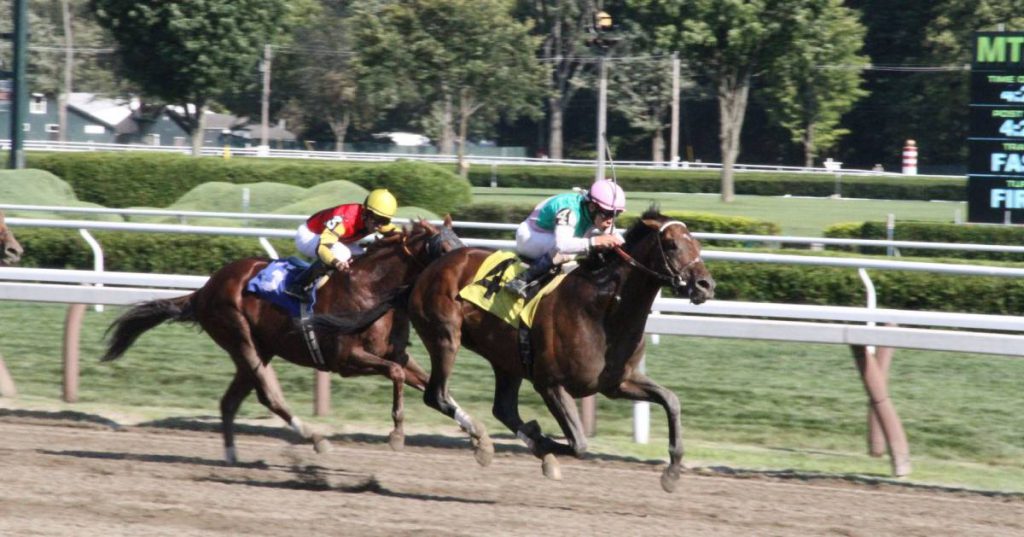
(269, 284)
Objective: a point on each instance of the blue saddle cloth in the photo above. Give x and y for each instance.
(270, 282)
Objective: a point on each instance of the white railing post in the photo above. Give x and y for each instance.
(97, 258)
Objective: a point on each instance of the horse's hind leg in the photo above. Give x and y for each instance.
(237, 391)
(638, 387)
(268, 389)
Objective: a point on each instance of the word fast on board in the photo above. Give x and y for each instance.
(995, 186)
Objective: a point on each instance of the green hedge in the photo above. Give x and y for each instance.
(762, 282)
(710, 223)
(753, 183)
(933, 232)
(141, 252)
(202, 255)
(159, 179)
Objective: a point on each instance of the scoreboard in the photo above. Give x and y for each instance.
(995, 168)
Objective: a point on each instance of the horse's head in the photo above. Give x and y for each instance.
(422, 242)
(12, 250)
(665, 249)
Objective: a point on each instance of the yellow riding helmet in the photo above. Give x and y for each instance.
(383, 204)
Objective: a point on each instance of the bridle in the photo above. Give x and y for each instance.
(677, 279)
(434, 244)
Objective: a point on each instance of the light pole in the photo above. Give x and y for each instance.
(602, 41)
(20, 38)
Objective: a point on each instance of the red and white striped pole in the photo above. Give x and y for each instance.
(910, 158)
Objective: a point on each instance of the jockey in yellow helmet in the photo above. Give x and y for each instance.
(330, 236)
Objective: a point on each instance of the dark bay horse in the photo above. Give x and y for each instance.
(11, 253)
(253, 331)
(587, 337)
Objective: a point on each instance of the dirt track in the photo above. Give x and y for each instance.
(62, 477)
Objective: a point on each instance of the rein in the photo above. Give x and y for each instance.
(672, 277)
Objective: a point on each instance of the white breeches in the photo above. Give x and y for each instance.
(306, 242)
(534, 244)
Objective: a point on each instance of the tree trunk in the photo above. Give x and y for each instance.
(733, 90)
(555, 127)
(200, 127)
(464, 113)
(808, 142)
(658, 145)
(446, 145)
(69, 59)
(339, 127)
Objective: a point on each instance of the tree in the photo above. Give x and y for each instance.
(814, 83)
(459, 58)
(189, 53)
(728, 42)
(560, 24)
(641, 90)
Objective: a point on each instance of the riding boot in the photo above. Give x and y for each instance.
(299, 287)
(521, 283)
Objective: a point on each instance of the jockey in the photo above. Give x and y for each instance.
(565, 225)
(330, 236)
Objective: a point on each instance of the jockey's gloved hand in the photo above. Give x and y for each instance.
(339, 265)
(603, 242)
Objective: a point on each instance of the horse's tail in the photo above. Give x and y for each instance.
(354, 322)
(123, 332)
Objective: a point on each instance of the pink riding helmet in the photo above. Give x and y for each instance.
(608, 195)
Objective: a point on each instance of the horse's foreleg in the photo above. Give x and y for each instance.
(443, 348)
(638, 387)
(563, 408)
(268, 389)
(237, 391)
(362, 359)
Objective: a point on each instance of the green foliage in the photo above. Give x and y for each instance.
(815, 82)
(934, 232)
(707, 181)
(505, 213)
(189, 53)
(458, 58)
(140, 252)
(160, 179)
(841, 287)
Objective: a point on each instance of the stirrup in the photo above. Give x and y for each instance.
(518, 287)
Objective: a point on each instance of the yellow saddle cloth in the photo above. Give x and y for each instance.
(505, 305)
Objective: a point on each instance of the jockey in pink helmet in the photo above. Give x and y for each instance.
(564, 226)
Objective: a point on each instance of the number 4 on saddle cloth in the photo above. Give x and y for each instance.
(486, 290)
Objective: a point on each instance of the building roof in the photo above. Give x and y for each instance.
(110, 112)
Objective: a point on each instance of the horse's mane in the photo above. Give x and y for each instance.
(600, 268)
(389, 240)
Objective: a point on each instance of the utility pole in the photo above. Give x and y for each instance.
(20, 37)
(602, 119)
(69, 60)
(265, 107)
(673, 149)
(603, 40)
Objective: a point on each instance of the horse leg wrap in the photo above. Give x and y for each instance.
(296, 425)
(465, 421)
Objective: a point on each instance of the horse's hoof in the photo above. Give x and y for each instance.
(670, 478)
(396, 440)
(552, 470)
(901, 467)
(321, 444)
(483, 450)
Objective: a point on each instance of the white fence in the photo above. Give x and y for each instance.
(44, 145)
(868, 326)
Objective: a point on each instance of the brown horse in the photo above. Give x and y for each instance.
(12, 250)
(253, 331)
(587, 337)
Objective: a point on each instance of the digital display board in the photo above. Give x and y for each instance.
(995, 169)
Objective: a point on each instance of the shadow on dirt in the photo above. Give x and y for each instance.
(79, 419)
